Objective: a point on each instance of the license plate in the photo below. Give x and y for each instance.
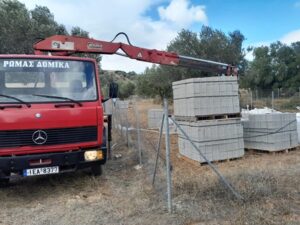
(40, 171)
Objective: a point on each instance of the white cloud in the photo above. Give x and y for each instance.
(291, 37)
(103, 19)
(249, 56)
(183, 13)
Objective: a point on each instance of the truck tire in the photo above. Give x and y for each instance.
(96, 170)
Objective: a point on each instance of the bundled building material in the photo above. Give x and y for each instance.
(154, 118)
(208, 110)
(122, 104)
(271, 131)
(216, 139)
(110, 105)
(199, 97)
(298, 126)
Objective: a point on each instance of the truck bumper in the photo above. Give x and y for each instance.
(67, 162)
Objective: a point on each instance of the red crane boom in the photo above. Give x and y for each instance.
(68, 45)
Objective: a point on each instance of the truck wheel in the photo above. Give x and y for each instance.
(96, 170)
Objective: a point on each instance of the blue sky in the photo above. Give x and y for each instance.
(261, 21)
(154, 23)
(258, 20)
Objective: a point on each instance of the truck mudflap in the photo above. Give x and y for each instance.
(65, 161)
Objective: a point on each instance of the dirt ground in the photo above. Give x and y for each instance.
(269, 183)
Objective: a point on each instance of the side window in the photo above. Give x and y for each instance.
(24, 80)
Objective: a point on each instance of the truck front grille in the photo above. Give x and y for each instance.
(18, 138)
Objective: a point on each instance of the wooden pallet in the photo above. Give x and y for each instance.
(197, 163)
(208, 117)
(258, 151)
(222, 161)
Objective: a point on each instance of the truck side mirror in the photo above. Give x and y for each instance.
(113, 90)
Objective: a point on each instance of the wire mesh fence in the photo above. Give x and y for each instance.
(278, 99)
(130, 128)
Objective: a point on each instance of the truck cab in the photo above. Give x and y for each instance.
(51, 115)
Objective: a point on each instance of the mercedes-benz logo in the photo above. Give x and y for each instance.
(39, 137)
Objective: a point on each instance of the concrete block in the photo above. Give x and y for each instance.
(270, 132)
(122, 104)
(154, 118)
(119, 105)
(206, 96)
(108, 107)
(216, 139)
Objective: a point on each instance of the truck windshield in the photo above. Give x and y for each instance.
(30, 79)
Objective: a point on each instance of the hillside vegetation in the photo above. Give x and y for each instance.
(276, 66)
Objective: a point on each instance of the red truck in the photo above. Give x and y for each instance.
(51, 113)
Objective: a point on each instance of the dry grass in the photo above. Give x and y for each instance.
(269, 183)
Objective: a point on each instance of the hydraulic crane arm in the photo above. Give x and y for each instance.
(68, 45)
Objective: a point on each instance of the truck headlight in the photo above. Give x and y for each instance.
(93, 155)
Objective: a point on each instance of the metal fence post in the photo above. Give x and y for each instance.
(138, 132)
(167, 139)
(127, 126)
(272, 99)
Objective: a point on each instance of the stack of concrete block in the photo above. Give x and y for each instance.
(216, 139)
(154, 118)
(207, 109)
(271, 132)
(122, 104)
(112, 105)
(121, 107)
(108, 107)
(298, 126)
(206, 96)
